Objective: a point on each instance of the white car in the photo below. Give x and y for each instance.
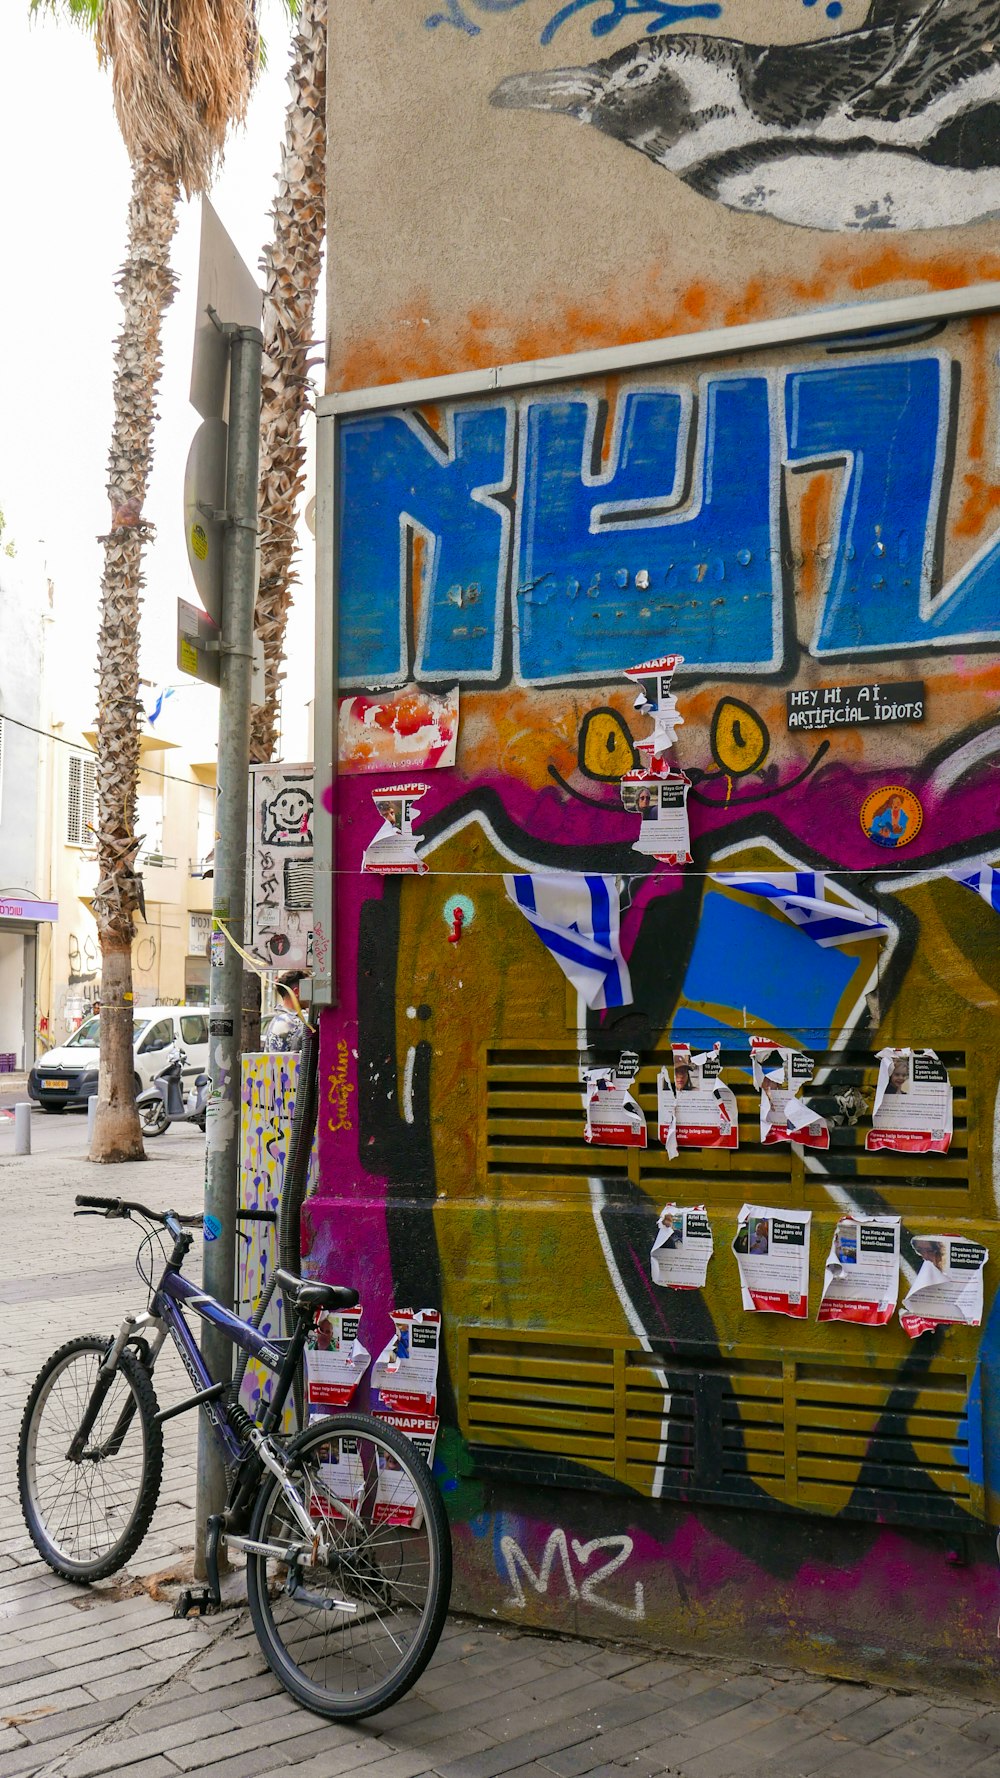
(67, 1076)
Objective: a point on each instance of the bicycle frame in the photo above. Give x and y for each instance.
(282, 1356)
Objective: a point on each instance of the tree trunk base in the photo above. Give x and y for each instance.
(117, 1136)
(117, 1133)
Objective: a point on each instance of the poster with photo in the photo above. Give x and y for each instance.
(682, 1249)
(393, 851)
(772, 1253)
(341, 1471)
(336, 1361)
(948, 1289)
(396, 1501)
(779, 1074)
(659, 798)
(695, 1109)
(404, 1376)
(861, 1282)
(913, 1104)
(614, 1118)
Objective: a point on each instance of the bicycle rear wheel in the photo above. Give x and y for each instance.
(350, 1634)
(87, 1518)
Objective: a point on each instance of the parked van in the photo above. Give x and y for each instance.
(67, 1076)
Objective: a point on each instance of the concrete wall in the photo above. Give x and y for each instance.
(618, 1457)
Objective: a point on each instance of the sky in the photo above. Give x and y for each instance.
(66, 188)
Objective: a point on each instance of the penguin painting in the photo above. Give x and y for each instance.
(895, 125)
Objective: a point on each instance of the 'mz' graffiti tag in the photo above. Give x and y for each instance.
(557, 1549)
(673, 527)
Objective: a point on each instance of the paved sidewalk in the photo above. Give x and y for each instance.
(104, 1680)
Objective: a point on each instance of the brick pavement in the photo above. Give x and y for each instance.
(104, 1680)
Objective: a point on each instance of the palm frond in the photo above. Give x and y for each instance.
(86, 13)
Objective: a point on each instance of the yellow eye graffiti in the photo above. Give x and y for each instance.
(606, 750)
(740, 740)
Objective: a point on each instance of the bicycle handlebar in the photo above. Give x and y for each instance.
(124, 1207)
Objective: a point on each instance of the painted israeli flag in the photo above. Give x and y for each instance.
(578, 920)
(985, 883)
(801, 897)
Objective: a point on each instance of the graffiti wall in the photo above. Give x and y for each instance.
(670, 880)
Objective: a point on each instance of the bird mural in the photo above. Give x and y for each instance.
(895, 125)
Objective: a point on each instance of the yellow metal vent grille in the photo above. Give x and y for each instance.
(872, 1440)
(534, 1126)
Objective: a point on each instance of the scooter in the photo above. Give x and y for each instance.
(166, 1101)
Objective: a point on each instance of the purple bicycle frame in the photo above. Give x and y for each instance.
(174, 1289)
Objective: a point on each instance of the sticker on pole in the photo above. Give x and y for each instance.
(211, 1228)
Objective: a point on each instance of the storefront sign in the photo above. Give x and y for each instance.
(849, 706)
(29, 910)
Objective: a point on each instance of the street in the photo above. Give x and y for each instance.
(106, 1680)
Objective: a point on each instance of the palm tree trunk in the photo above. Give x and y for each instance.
(146, 286)
(291, 263)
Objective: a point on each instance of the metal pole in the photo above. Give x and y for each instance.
(239, 590)
(22, 1129)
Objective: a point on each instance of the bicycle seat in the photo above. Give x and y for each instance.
(308, 1293)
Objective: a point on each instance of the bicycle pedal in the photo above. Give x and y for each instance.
(197, 1599)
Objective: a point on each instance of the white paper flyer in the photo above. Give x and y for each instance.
(404, 1376)
(393, 851)
(913, 1104)
(861, 1283)
(948, 1287)
(779, 1073)
(336, 1361)
(696, 1110)
(656, 700)
(614, 1118)
(658, 795)
(396, 1501)
(342, 1472)
(772, 1252)
(682, 1248)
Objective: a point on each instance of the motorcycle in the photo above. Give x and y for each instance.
(166, 1102)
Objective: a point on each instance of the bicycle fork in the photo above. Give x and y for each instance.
(130, 1328)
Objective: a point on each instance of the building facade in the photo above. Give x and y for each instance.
(176, 812)
(657, 520)
(26, 912)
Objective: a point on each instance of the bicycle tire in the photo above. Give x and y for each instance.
(374, 1568)
(45, 1536)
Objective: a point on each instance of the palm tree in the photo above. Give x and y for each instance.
(181, 74)
(291, 262)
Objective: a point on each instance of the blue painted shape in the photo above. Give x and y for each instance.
(741, 958)
(888, 419)
(396, 478)
(662, 14)
(706, 586)
(982, 1422)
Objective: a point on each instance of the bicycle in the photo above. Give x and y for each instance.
(348, 1554)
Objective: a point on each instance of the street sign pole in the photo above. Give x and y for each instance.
(239, 588)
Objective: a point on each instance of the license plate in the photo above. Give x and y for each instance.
(54, 1085)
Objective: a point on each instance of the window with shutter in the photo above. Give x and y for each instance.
(81, 802)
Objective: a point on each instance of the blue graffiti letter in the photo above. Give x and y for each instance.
(398, 482)
(608, 573)
(887, 422)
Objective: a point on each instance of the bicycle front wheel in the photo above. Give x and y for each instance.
(350, 1633)
(87, 1517)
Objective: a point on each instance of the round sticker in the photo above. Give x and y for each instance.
(199, 541)
(892, 816)
(212, 1228)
